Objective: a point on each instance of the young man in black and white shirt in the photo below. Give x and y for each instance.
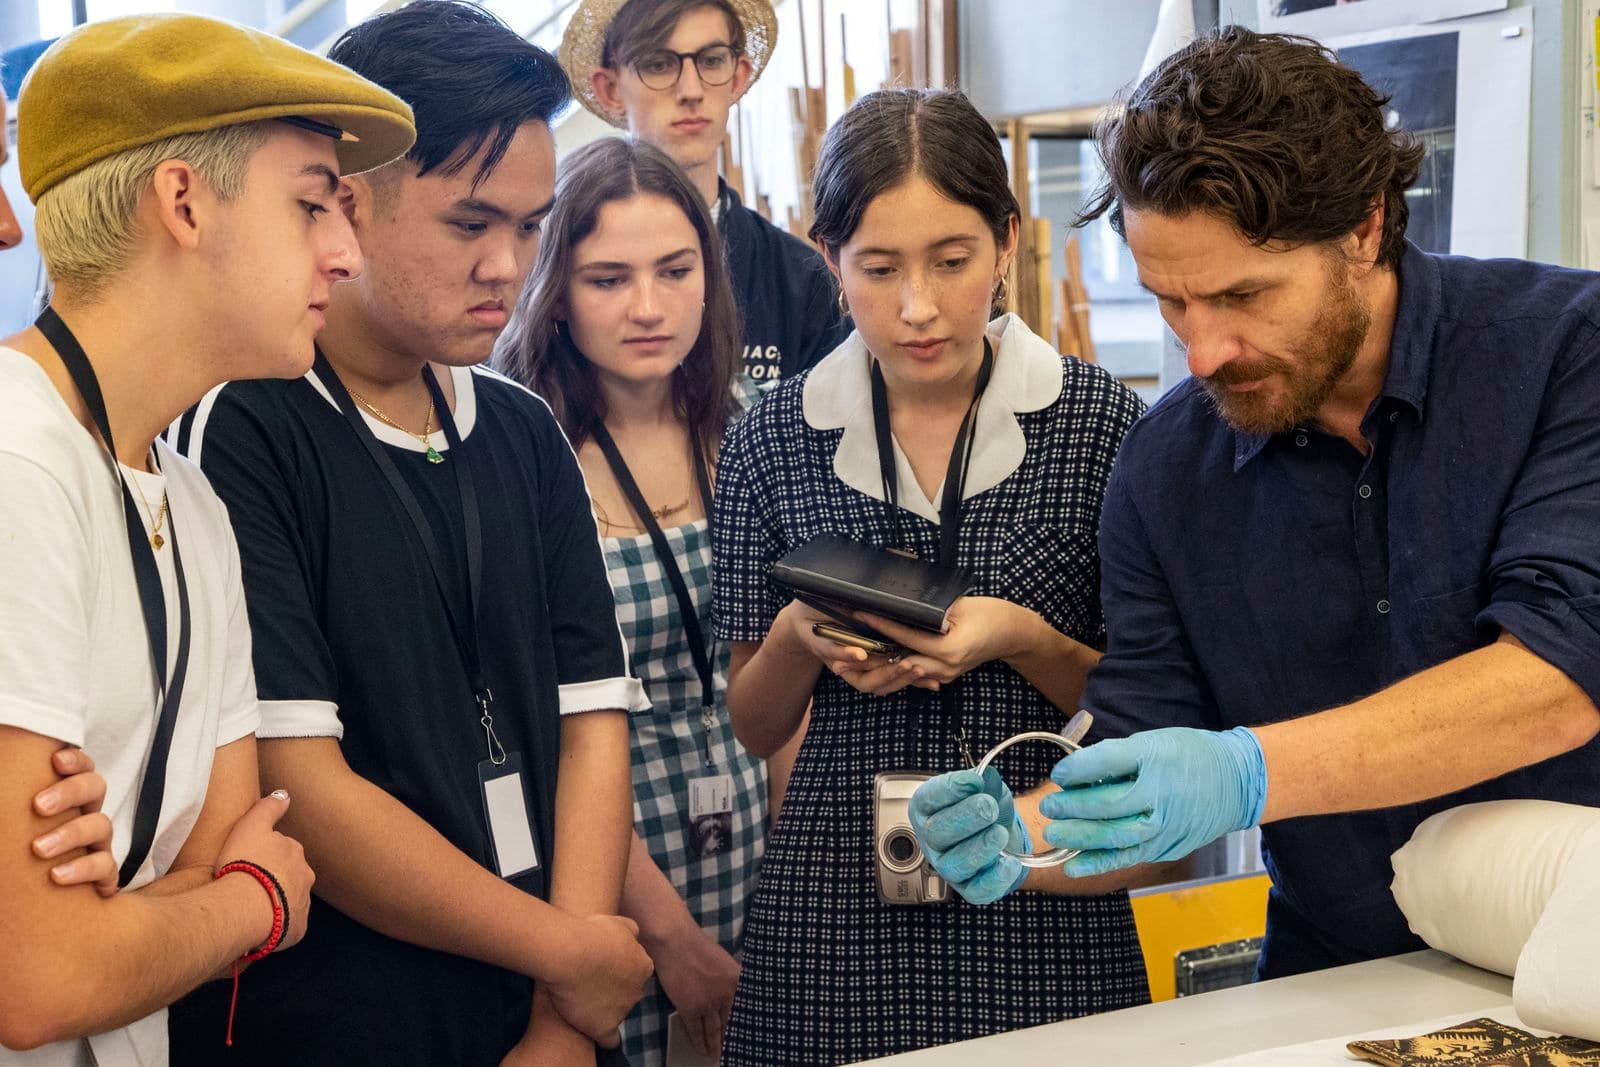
(441, 672)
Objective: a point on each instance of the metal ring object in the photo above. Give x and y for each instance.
(1067, 740)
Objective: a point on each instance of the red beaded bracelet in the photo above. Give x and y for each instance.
(280, 924)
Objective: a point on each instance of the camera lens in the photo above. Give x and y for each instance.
(900, 849)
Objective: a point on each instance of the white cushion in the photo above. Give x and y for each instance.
(1473, 881)
(1558, 975)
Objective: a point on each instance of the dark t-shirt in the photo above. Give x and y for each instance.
(350, 633)
(788, 300)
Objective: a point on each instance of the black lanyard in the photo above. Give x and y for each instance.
(669, 564)
(955, 482)
(955, 479)
(698, 646)
(152, 602)
(463, 627)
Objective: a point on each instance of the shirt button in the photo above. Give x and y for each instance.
(1301, 439)
(1383, 607)
(1365, 491)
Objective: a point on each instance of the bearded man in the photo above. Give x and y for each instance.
(1350, 568)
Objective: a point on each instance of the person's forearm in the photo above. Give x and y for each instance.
(1054, 881)
(119, 959)
(1052, 662)
(384, 866)
(594, 814)
(1468, 720)
(769, 689)
(234, 786)
(174, 882)
(73, 962)
(649, 899)
(594, 831)
(780, 766)
(182, 881)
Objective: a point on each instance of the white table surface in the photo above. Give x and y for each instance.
(1227, 1022)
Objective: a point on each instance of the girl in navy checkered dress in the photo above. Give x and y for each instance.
(631, 331)
(915, 216)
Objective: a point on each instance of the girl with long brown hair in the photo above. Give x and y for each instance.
(629, 329)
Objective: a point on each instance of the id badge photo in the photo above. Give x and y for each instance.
(710, 815)
(505, 812)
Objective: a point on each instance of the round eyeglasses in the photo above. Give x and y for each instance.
(660, 69)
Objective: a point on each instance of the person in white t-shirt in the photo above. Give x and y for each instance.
(81, 843)
(185, 219)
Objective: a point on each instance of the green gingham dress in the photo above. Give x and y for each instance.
(668, 748)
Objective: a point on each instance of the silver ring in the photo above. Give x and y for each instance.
(1067, 740)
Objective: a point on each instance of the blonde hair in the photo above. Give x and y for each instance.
(86, 226)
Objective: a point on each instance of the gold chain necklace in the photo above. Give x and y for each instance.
(156, 540)
(434, 455)
(657, 513)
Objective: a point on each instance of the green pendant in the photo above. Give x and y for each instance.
(434, 456)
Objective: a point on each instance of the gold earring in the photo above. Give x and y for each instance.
(1001, 292)
(844, 307)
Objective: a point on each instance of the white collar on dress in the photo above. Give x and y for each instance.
(466, 414)
(838, 393)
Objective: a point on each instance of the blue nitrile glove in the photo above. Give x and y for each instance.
(1155, 796)
(963, 822)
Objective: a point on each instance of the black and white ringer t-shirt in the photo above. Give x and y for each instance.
(352, 641)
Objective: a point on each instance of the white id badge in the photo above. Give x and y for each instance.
(679, 1052)
(505, 809)
(710, 814)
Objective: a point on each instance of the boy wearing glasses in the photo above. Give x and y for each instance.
(669, 71)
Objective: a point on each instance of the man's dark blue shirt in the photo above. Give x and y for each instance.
(1251, 579)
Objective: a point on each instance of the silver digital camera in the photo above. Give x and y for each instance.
(904, 874)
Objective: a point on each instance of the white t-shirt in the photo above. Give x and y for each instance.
(74, 658)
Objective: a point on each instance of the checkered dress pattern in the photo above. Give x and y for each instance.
(668, 748)
(832, 975)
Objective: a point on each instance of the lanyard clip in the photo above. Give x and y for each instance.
(497, 751)
(708, 722)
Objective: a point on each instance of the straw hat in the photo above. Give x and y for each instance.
(586, 34)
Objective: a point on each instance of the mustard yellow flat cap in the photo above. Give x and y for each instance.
(114, 85)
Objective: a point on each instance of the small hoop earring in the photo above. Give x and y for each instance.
(844, 307)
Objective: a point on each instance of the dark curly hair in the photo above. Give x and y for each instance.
(1267, 131)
